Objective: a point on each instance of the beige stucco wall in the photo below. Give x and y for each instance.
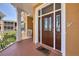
(72, 19)
(34, 20)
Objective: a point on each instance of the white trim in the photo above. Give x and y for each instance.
(43, 5)
(58, 9)
(47, 13)
(54, 27)
(36, 26)
(50, 12)
(41, 29)
(63, 30)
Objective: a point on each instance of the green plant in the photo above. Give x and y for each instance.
(8, 37)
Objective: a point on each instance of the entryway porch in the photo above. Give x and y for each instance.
(26, 48)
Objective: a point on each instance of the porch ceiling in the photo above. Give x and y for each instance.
(26, 7)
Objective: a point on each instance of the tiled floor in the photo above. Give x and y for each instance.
(23, 48)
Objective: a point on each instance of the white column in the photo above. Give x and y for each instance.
(18, 36)
(54, 27)
(63, 28)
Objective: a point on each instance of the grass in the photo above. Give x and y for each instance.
(8, 37)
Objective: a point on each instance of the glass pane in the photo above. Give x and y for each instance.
(58, 23)
(47, 9)
(22, 26)
(38, 12)
(45, 24)
(57, 6)
(50, 24)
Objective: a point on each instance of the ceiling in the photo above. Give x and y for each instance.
(26, 7)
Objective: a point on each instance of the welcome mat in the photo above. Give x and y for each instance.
(43, 50)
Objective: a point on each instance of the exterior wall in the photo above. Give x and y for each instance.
(3, 24)
(24, 33)
(72, 35)
(9, 26)
(28, 25)
(34, 20)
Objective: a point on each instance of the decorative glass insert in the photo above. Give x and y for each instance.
(58, 22)
(50, 24)
(47, 9)
(57, 6)
(45, 24)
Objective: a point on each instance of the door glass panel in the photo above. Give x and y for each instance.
(50, 24)
(45, 24)
(58, 23)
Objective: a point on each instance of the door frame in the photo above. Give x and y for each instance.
(63, 27)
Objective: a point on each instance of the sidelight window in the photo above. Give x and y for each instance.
(58, 23)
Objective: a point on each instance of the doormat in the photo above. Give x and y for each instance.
(43, 50)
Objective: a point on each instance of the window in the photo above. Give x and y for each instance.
(45, 24)
(58, 21)
(11, 28)
(22, 26)
(50, 24)
(47, 9)
(57, 6)
(47, 20)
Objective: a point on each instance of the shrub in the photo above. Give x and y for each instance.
(8, 38)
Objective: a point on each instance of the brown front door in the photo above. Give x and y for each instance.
(47, 30)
